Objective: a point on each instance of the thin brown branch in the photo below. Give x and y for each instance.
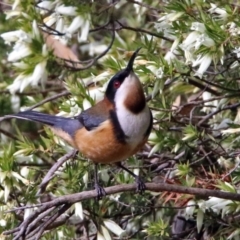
(49, 99)
(143, 31)
(154, 187)
(37, 222)
(234, 106)
(41, 228)
(50, 175)
(90, 62)
(202, 87)
(8, 134)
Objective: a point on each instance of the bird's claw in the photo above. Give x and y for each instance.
(100, 191)
(141, 187)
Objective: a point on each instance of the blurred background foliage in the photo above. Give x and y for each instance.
(53, 57)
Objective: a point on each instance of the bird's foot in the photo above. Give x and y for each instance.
(141, 187)
(100, 191)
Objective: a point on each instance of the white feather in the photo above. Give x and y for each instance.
(133, 125)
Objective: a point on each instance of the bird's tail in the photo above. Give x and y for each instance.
(50, 120)
(68, 125)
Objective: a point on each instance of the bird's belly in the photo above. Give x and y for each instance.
(100, 145)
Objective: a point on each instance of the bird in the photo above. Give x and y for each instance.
(112, 130)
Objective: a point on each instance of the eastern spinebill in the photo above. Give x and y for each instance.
(114, 129)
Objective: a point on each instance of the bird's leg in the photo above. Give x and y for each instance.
(140, 183)
(100, 190)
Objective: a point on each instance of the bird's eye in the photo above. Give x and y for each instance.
(117, 84)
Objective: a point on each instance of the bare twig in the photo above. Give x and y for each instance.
(231, 171)
(234, 106)
(144, 31)
(62, 94)
(8, 134)
(90, 62)
(41, 228)
(53, 169)
(68, 200)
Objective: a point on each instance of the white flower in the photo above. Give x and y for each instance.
(233, 29)
(204, 62)
(169, 57)
(206, 96)
(22, 81)
(159, 72)
(105, 233)
(191, 205)
(188, 43)
(195, 40)
(197, 26)
(175, 44)
(218, 205)
(100, 236)
(202, 205)
(237, 51)
(75, 25)
(85, 178)
(15, 4)
(223, 15)
(84, 31)
(50, 20)
(20, 50)
(203, 39)
(19, 177)
(79, 210)
(17, 83)
(86, 104)
(21, 65)
(171, 17)
(189, 56)
(35, 30)
(14, 36)
(60, 25)
(114, 228)
(164, 24)
(24, 171)
(102, 76)
(12, 14)
(93, 48)
(45, 6)
(28, 211)
(15, 103)
(68, 11)
(3, 223)
(39, 73)
(7, 189)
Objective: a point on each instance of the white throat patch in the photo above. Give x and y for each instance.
(133, 125)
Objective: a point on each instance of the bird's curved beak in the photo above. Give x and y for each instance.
(131, 61)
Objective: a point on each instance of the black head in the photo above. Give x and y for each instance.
(117, 80)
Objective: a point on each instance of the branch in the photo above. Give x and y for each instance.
(49, 99)
(234, 106)
(54, 168)
(92, 61)
(68, 200)
(143, 31)
(202, 87)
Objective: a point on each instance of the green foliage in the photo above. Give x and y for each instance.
(159, 229)
(189, 68)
